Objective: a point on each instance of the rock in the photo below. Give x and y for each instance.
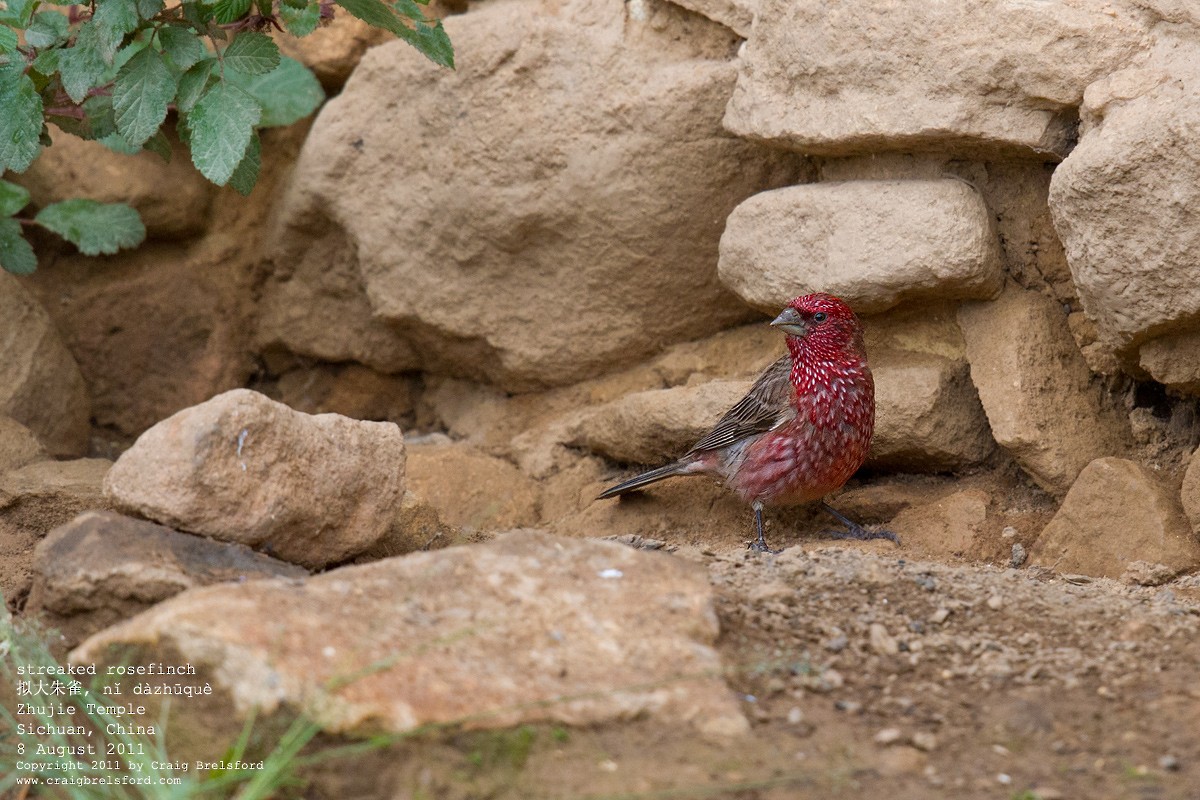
(171, 197)
(951, 527)
(1118, 512)
(40, 384)
(735, 14)
(850, 76)
(1040, 400)
(657, 426)
(886, 736)
(1018, 555)
(332, 51)
(351, 390)
(558, 217)
(928, 417)
(876, 244)
(470, 489)
(1190, 492)
(1173, 360)
(882, 642)
(34, 500)
(102, 568)
(312, 490)
(527, 628)
(1123, 200)
(18, 445)
(417, 527)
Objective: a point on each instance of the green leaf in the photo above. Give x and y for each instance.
(20, 121)
(101, 118)
(252, 53)
(226, 11)
(159, 145)
(48, 29)
(183, 46)
(300, 21)
(12, 198)
(46, 62)
(148, 8)
(118, 144)
(16, 13)
(113, 19)
(221, 124)
(145, 87)
(16, 255)
(374, 13)
(83, 65)
(95, 228)
(246, 174)
(295, 5)
(8, 39)
(430, 40)
(193, 83)
(288, 93)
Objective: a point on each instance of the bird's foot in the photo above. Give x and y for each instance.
(861, 534)
(760, 546)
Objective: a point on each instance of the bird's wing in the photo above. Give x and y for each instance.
(766, 405)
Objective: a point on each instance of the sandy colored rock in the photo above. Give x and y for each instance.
(460, 214)
(18, 445)
(1190, 492)
(853, 76)
(735, 14)
(312, 490)
(875, 244)
(526, 628)
(657, 426)
(1117, 513)
(1124, 200)
(171, 197)
(34, 500)
(927, 414)
(103, 567)
(470, 489)
(40, 383)
(332, 51)
(351, 390)
(1173, 360)
(952, 527)
(1040, 399)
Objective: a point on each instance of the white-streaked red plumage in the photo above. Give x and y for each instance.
(805, 425)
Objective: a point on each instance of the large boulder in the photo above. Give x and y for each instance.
(1125, 204)
(548, 209)
(875, 244)
(1042, 403)
(526, 628)
(312, 490)
(975, 76)
(1118, 513)
(40, 383)
(18, 445)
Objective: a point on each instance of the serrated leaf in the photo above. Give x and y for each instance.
(20, 121)
(16, 254)
(148, 8)
(12, 198)
(295, 5)
(252, 53)
(113, 19)
(47, 62)
(288, 93)
(183, 46)
(118, 144)
(48, 29)
(159, 145)
(183, 131)
(221, 124)
(100, 116)
(95, 228)
(82, 66)
(145, 87)
(301, 21)
(430, 39)
(8, 40)
(226, 11)
(432, 42)
(373, 12)
(246, 174)
(193, 83)
(16, 13)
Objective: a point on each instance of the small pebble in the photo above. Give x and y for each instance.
(939, 616)
(1018, 555)
(888, 736)
(882, 642)
(1008, 532)
(924, 740)
(1169, 763)
(837, 644)
(795, 716)
(848, 706)
(1004, 779)
(995, 602)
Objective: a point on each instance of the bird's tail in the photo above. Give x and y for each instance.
(646, 478)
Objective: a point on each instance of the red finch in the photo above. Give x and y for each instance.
(804, 427)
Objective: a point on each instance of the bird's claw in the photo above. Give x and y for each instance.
(761, 547)
(861, 534)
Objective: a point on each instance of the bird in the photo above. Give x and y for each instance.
(803, 428)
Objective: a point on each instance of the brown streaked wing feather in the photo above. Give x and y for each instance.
(766, 405)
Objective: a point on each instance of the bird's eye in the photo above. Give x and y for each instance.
(819, 316)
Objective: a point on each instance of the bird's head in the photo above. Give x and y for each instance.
(820, 319)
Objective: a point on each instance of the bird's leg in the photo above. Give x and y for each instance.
(759, 545)
(856, 531)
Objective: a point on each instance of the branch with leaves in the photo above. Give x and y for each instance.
(114, 70)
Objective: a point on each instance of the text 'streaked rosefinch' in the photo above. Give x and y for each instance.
(804, 427)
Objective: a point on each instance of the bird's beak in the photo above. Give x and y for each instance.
(790, 322)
